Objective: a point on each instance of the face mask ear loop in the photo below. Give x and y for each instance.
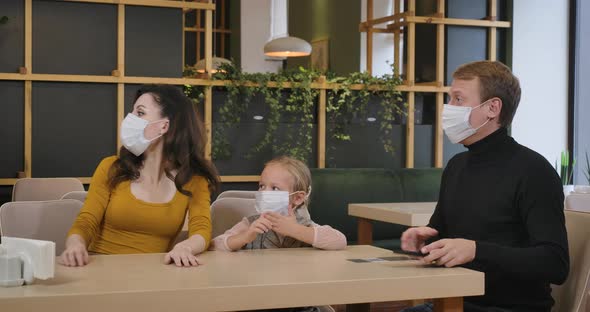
(153, 122)
(488, 120)
(483, 124)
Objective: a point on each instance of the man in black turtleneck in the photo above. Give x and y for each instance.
(500, 207)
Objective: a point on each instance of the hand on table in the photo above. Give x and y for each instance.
(181, 255)
(450, 252)
(413, 239)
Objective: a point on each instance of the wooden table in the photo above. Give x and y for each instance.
(410, 214)
(257, 279)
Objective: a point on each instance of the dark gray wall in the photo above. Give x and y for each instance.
(74, 127)
(234, 24)
(12, 36)
(75, 124)
(153, 42)
(11, 94)
(11, 128)
(74, 38)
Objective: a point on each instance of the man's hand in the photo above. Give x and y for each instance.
(413, 239)
(450, 252)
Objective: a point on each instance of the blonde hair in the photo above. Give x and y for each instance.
(299, 171)
(495, 80)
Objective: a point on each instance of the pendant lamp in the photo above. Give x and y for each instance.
(287, 47)
(215, 64)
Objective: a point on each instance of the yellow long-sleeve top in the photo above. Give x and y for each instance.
(118, 223)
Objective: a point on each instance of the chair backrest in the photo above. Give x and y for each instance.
(226, 212)
(45, 220)
(77, 195)
(578, 202)
(571, 296)
(29, 189)
(237, 194)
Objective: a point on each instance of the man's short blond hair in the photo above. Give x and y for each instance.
(495, 80)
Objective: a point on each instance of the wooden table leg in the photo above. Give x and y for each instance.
(365, 231)
(448, 304)
(359, 307)
(417, 302)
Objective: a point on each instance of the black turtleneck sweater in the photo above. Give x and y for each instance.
(509, 200)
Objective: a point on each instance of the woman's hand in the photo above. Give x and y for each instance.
(75, 253)
(182, 255)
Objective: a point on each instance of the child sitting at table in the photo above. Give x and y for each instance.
(283, 220)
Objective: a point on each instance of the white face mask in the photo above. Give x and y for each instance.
(132, 134)
(275, 201)
(455, 122)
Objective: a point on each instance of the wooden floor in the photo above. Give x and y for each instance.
(393, 306)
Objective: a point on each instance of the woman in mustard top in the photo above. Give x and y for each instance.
(137, 201)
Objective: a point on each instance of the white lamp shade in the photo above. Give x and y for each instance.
(215, 64)
(287, 47)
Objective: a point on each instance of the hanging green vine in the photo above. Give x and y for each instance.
(299, 112)
(294, 106)
(343, 101)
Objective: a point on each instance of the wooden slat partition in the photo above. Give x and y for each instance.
(400, 20)
(27, 75)
(321, 157)
(28, 96)
(440, 79)
(410, 74)
(492, 31)
(369, 64)
(403, 21)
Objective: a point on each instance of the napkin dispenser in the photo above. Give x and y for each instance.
(22, 260)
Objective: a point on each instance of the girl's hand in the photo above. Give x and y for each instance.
(284, 225)
(260, 226)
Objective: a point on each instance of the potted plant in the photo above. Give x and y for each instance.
(587, 172)
(585, 188)
(566, 172)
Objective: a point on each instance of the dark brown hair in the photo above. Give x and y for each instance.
(183, 143)
(495, 80)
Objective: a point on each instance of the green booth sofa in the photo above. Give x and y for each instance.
(334, 189)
